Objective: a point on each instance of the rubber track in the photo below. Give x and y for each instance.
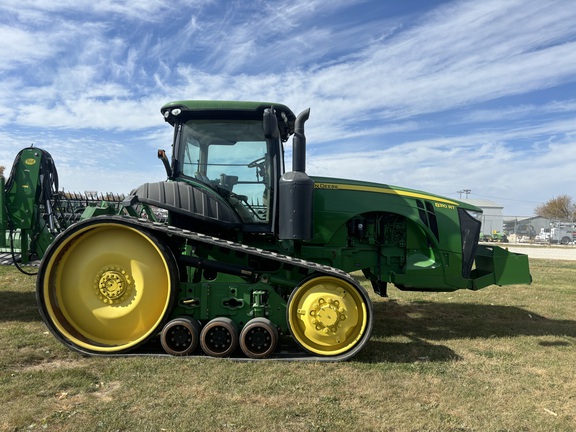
(283, 354)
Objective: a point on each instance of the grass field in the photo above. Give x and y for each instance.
(501, 359)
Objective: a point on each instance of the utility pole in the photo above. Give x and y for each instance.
(466, 191)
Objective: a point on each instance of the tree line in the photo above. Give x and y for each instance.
(561, 208)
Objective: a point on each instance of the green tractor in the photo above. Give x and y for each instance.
(499, 237)
(253, 261)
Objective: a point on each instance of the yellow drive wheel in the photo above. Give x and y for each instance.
(329, 316)
(106, 286)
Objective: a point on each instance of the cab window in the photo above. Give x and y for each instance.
(232, 157)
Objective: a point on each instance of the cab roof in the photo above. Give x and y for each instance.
(208, 109)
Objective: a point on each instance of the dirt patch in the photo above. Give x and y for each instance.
(105, 391)
(54, 364)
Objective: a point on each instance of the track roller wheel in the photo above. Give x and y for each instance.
(258, 338)
(330, 316)
(180, 336)
(219, 338)
(105, 286)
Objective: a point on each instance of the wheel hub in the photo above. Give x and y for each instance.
(258, 338)
(113, 285)
(327, 316)
(219, 337)
(180, 336)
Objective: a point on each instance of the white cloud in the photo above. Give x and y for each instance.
(461, 54)
(144, 10)
(482, 162)
(102, 68)
(20, 48)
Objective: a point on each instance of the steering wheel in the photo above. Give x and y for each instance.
(257, 162)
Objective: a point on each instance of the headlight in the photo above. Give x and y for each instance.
(175, 112)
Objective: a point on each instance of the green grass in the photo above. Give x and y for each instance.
(500, 359)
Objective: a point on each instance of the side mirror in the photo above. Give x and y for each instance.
(270, 124)
(162, 156)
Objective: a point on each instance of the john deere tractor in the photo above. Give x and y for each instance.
(253, 261)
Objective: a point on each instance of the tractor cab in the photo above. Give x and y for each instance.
(227, 167)
(234, 158)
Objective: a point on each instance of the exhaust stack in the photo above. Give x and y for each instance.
(296, 190)
(299, 142)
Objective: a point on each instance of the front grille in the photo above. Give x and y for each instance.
(470, 233)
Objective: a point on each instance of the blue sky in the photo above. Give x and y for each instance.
(434, 95)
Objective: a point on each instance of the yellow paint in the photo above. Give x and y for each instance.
(106, 287)
(390, 191)
(327, 315)
(30, 161)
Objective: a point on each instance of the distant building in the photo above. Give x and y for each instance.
(492, 219)
(517, 228)
(524, 226)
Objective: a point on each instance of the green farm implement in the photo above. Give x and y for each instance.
(251, 260)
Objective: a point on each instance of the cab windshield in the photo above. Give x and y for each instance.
(232, 157)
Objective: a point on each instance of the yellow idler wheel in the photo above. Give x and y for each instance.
(329, 316)
(106, 286)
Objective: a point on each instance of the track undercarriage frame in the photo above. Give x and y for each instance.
(167, 283)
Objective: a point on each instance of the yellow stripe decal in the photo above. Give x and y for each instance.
(334, 186)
